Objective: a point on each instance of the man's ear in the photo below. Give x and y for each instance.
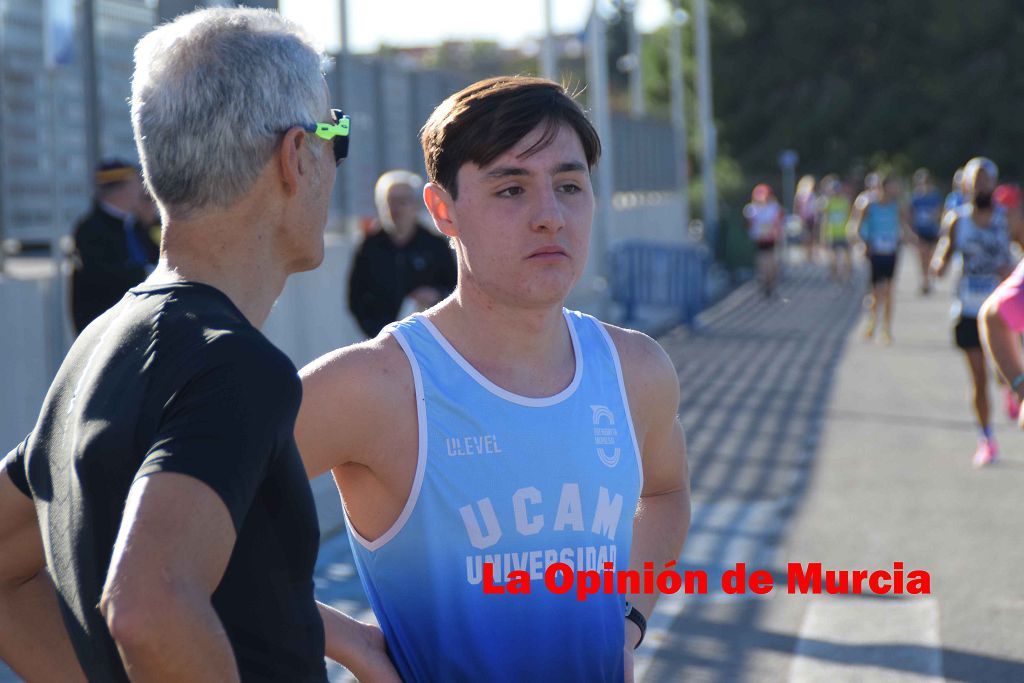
(290, 161)
(439, 204)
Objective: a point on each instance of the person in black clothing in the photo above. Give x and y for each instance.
(162, 476)
(113, 248)
(402, 266)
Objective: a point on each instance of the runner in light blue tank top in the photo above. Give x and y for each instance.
(881, 230)
(879, 219)
(521, 483)
(979, 233)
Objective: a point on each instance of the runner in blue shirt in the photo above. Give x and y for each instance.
(880, 220)
(926, 210)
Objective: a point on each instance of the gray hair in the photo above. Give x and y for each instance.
(383, 187)
(211, 93)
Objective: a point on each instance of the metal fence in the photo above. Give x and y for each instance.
(661, 275)
(44, 182)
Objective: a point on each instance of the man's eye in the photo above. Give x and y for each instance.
(570, 188)
(513, 191)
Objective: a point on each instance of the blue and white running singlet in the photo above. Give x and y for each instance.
(881, 227)
(985, 255)
(518, 482)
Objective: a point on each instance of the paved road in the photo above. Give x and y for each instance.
(809, 445)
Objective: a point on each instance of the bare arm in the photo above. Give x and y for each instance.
(853, 224)
(663, 514)
(340, 392)
(945, 248)
(359, 647)
(1002, 342)
(907, 234)
(171, 552)
(334, 419)
(34, 643)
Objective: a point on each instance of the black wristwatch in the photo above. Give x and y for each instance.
(633, 614)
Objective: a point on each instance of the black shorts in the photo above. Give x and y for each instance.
(883, 266)
(966, 334)
(765, 246)
(928, 234)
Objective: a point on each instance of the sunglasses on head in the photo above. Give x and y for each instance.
(336, 131)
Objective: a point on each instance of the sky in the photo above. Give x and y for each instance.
(417, 22)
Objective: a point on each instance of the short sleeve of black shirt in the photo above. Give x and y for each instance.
(14, 466)
(225, 424)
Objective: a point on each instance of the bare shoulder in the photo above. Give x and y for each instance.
(652, 383)
(349, 396)
(370, 368)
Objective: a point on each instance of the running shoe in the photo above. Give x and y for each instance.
(1012, 404)
(986, 453)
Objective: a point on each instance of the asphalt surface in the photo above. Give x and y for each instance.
(809, 445)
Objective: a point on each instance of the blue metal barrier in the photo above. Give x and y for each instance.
(659, 274)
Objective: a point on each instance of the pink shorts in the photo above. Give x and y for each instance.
(1009, 299)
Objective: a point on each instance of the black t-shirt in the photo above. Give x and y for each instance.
(383, 274)
(175, 379)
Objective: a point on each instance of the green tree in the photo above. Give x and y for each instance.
(916, 82)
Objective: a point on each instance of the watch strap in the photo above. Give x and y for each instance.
(634, 615)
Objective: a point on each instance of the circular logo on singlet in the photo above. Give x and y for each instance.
(605, 434)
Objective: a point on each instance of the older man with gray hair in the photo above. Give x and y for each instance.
(157, 524)
(403, 266)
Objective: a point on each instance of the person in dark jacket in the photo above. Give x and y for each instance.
(113, 248)
(403, 266)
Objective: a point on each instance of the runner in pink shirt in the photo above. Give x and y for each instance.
(1001, 322)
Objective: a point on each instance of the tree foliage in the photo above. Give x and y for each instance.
(853, 83)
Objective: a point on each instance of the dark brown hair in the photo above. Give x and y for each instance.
(484, 120)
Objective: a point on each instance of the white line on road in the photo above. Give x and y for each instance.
(847, 640)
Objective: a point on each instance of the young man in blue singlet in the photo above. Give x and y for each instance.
(880, 220)
(499, 427)
(980, 232)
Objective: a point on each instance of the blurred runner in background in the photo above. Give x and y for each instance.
(805, 205)
(764, 220)
(979, 232)
(834, 212)
(880, 220)
(926, 209)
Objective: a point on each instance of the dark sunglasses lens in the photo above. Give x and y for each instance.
(340, 149)
(340, 142)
